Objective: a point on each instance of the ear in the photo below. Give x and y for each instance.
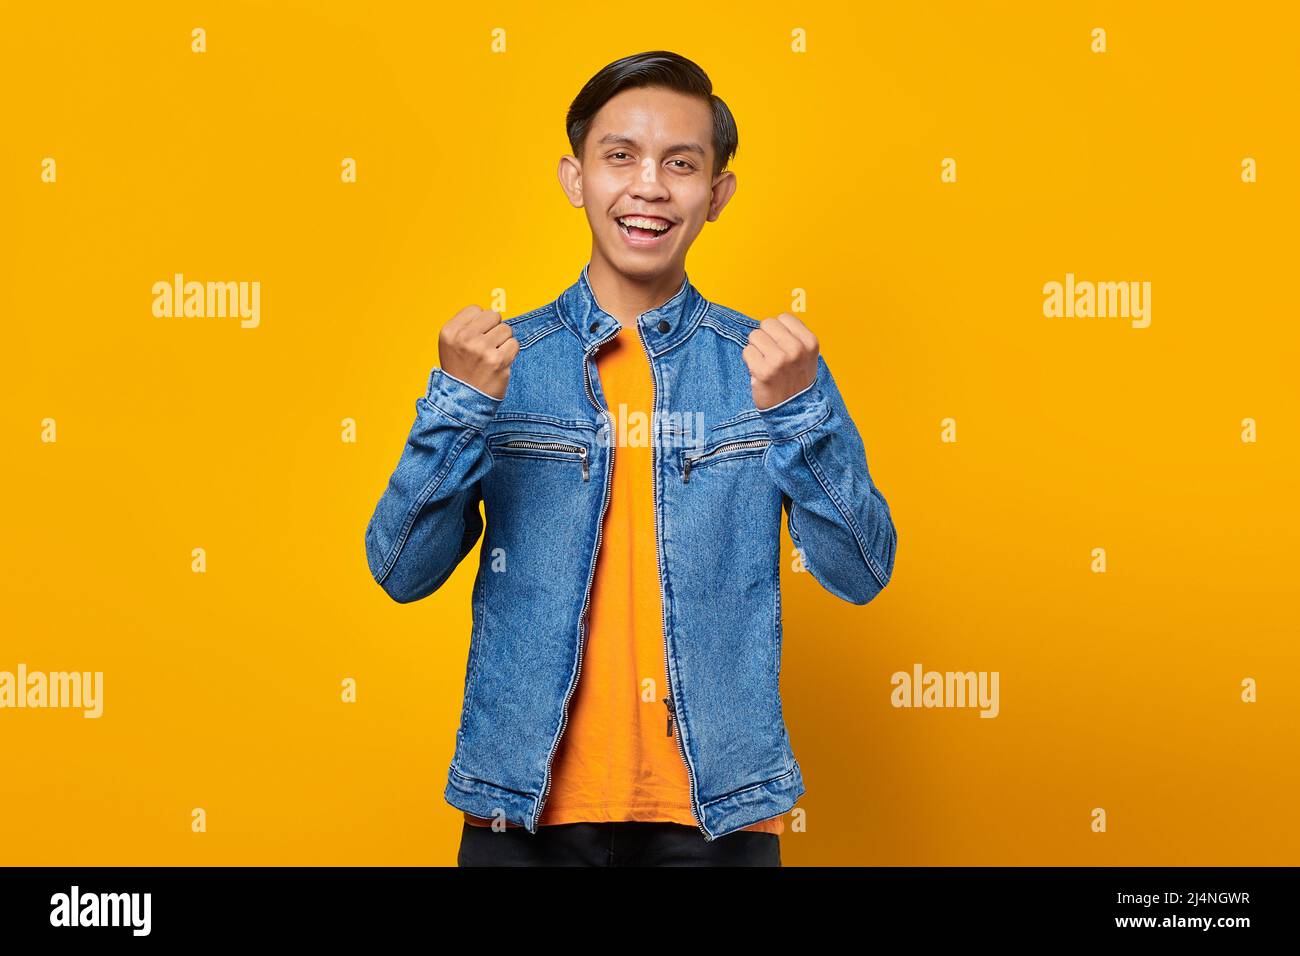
(570, 173)
(723, 189)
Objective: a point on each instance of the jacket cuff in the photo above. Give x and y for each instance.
(460, 400)
(796, 414)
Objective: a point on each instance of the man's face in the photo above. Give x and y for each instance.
(649, 155)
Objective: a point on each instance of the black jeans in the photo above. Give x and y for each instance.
(615, 844)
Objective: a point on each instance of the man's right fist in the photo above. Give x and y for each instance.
(476, 347)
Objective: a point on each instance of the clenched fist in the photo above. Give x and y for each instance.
(476, 347)
(782, 359)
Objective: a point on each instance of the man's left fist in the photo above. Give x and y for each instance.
(782, 359)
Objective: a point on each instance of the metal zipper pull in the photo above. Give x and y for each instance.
(686, 470)
(668, 701)
(586, 473)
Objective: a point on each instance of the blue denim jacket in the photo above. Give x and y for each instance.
(540, 461)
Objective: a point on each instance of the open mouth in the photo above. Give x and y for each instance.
(644, 229)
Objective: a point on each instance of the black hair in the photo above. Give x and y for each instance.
(655, 68)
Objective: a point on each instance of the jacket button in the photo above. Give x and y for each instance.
(593, 327)
(663, 325)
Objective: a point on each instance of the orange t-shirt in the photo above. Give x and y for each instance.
(616, 760)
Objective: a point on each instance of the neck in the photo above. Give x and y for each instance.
(626, 297)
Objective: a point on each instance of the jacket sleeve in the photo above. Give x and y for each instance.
(427, 519)
(838, 518)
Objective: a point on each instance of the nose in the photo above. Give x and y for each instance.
(647, 184)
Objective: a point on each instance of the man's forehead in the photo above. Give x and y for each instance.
(645, 115)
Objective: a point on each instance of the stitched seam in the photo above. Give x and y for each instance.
(845, 513)
(776, 614)
(532, 418)
(724, 332)
(429, 489)
(725, 313)
(461, 381)
(536, 453)
(497, 786)
(476, 647)
(756, 786)
(693, 322)
(541, 309)
(736, 419)
(432, 404)
(540, 333)
(805, 431)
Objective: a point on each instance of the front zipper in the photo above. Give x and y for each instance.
(668, 700)
(745, 443)
(551, 446)
(591, 573)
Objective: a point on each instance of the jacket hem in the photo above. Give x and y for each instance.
(483, 799)
(753, 804)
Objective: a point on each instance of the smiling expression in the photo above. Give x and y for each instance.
(646, 178)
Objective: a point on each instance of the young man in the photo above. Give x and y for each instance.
(621, 691)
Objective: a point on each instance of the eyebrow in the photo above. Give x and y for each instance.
(623, 139)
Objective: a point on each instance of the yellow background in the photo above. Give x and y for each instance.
(222, 690)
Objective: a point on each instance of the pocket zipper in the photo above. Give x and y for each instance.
(748, 443)
(552, 446)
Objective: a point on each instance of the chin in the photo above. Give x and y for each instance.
(630, 266)
(644, 266)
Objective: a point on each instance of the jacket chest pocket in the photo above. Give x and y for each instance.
(541, 447)
(745, 439)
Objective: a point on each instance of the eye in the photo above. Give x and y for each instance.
(685, 164)
(618, 153)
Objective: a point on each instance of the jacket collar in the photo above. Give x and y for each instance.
(661, 328)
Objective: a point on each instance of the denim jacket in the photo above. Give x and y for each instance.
(540, 460)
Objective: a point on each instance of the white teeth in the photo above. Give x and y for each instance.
(643, 223)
